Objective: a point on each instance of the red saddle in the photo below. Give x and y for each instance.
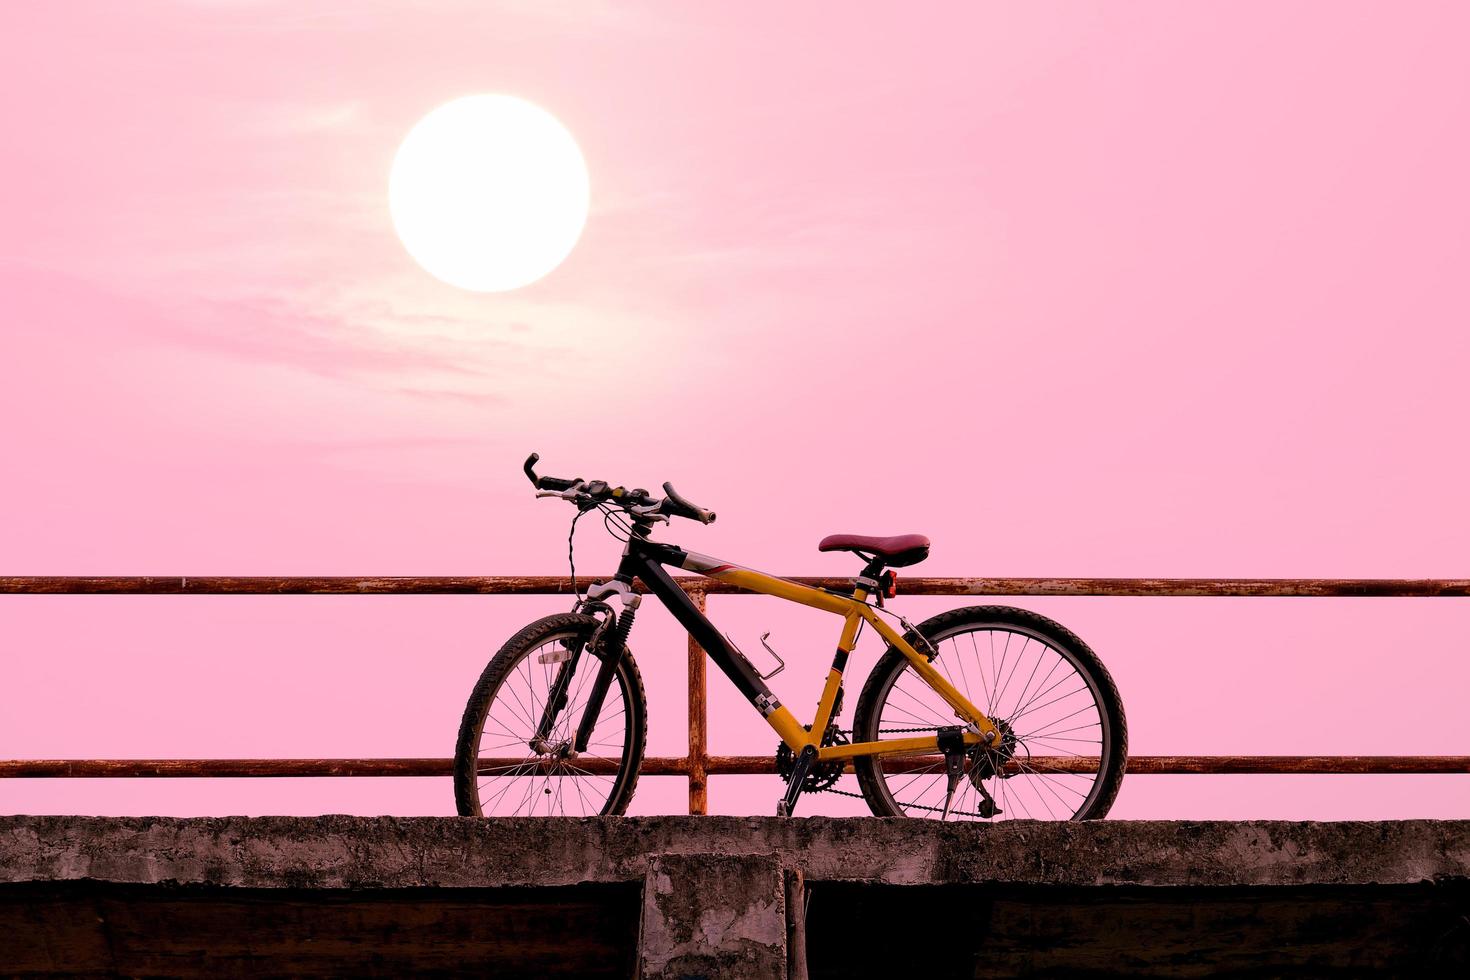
(898, 550)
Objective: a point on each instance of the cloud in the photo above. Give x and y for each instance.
(311, 118)
(425, 356)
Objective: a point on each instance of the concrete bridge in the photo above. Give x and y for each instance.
(730, 897)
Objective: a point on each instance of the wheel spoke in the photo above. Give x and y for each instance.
(1037, 678)
(552, 781)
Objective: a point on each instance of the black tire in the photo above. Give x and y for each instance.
(1058, 782)
(511, 667)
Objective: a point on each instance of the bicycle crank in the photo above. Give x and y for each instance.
(804, 762)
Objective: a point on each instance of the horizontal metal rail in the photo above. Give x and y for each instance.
(717, 765)
(559, 585)
(698, 764)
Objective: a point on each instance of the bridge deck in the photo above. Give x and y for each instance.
(715, 896)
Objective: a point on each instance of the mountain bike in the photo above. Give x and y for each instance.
(978, 713)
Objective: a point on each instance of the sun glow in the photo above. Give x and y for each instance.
(488, 193)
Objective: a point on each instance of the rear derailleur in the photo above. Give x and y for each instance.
(985, 761)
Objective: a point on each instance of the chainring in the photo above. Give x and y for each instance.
(822, 775)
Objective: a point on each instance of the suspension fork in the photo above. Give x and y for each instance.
(614, 645)
(561, 685)
(613, 642)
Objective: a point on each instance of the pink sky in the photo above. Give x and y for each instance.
(1149, 289)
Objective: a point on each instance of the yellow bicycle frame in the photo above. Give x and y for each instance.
(854, 610)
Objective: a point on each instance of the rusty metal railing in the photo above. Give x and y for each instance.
(698, 765)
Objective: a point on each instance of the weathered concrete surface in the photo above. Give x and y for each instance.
(88, 928)
(708, 896)
(453, 852)
(713, 915)
(1266, 932)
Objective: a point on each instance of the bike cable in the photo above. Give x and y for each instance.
(571, 558)
(615, 523)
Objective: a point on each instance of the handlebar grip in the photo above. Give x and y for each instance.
(545, 482)
(680, 507)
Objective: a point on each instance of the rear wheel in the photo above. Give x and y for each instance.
(501, 766)
(1064, 740)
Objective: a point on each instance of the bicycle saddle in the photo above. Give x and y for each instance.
(898, 550)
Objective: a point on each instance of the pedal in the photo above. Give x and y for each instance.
(804, 762)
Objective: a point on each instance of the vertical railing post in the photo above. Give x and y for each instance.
(698, 717)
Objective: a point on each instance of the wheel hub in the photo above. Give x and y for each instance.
(987, 761)
(554, 750)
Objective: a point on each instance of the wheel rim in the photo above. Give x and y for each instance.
(513, 778)
(1044, 699)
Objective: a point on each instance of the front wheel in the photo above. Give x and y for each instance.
(514, 758)
(1064, 740)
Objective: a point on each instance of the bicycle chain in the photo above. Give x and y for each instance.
(910, 806)
(881, 731)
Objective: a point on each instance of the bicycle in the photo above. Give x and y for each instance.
(558, 719)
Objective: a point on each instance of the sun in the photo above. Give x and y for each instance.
(489, 192)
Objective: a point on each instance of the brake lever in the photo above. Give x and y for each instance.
(649, 512)
(570, 493)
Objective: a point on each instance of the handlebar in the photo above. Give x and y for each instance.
(640, 502)
(680, 507)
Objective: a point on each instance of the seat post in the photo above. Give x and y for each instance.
(867, 581)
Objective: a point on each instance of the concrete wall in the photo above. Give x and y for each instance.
(731, 897)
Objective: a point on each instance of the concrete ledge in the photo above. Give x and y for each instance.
(724, 897)
(392, 852)
(713, 915)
